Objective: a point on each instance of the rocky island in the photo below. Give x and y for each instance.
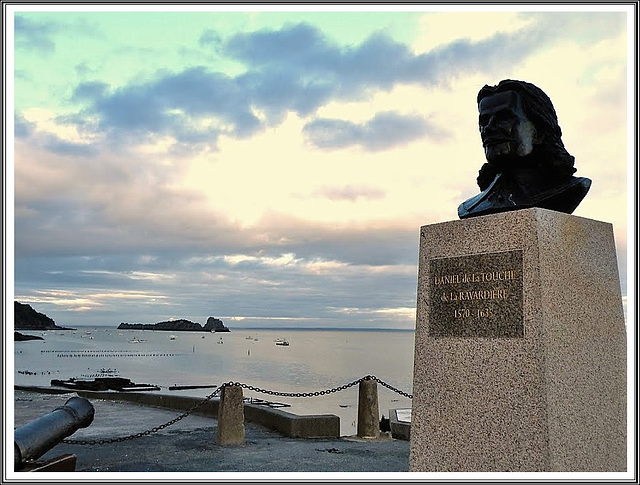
(213, 325)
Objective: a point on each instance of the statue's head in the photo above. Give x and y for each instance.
(519, 128)
(527, 164)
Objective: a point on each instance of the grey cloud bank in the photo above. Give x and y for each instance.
(293, 69)
(384, 131)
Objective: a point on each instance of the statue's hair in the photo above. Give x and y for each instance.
(539, 109)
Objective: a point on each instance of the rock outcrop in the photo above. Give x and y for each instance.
(215, 325)
(170, 325)
(21, 337)
(26, 318)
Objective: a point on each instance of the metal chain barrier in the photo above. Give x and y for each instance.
(318, 393)
(244, 386)
(390, 387)
(155, 429)
(293, 394)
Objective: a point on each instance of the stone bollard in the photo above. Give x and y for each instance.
(231, 416)
(368, 417)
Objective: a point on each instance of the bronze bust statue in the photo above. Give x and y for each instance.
(527, 163)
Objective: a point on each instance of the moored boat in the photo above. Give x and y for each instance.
(103, 384)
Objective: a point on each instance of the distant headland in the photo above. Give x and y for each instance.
(213, 325)
(26, 318)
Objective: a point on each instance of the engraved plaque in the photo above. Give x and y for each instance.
(476, 296)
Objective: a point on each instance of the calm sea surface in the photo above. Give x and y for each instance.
(315, 360)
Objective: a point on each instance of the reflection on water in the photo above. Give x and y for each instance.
(315, 360)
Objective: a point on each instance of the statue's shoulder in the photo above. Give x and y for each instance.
(503, 194)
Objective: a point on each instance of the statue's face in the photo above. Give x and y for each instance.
(507, 134)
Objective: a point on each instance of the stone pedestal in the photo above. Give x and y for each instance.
(368, 414)
(520, 346)
(231, 417)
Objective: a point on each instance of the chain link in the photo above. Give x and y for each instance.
(244, 386)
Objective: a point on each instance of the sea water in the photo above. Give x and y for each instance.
(314, 360)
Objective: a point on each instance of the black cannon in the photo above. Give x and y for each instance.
(34, 439)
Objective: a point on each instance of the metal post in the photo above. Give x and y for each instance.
(368, 415)
(231, 416)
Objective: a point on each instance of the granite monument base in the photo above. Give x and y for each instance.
(520, 347)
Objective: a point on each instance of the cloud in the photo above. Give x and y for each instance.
(194, 106)
(252, 285)
(33, 35)
(294, 69)
(349, 193)
(384, 131)
(83, 300)
(22, 127)
(89, 90)
(55, 145)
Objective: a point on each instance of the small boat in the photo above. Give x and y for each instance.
(176, 387)
(172, 337)
(262, 402)
(282, 342)
(136, 340)
(103, 384)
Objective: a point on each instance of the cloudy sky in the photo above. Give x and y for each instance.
(274, 167)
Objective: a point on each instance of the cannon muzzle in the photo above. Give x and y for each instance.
(34, 439)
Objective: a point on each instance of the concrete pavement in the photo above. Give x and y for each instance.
(190, 444)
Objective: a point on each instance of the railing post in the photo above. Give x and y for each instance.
(231, 416)
(368, 416)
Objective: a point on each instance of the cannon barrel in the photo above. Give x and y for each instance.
(34, 439)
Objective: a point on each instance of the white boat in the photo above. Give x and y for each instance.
(136, 340)
(282, 342)
(172, 337)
